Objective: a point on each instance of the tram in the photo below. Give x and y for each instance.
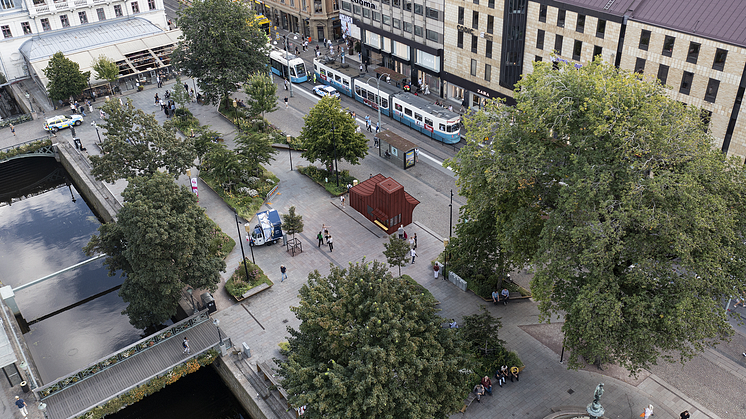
(339, 75)
(369, 94)
(293, 68)
(434, 121)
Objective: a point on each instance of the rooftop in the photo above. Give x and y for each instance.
(613, 7)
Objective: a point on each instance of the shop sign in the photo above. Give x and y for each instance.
(365, 4)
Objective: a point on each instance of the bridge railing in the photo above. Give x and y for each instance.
(121, 355)
(6, 152)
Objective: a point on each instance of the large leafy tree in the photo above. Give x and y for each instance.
(65, 78)
(255, 149)
(219, 47)
(160, 242)
(261, 94)
(613, 192)
(136, 144)
(370, 346)
(106, 69)
(330, 131)
(397, 252)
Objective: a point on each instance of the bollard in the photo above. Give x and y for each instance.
(246, 350)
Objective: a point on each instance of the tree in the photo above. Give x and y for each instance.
(255, 149)
(136, 144)
(160, 242)
(261, 94)
(224, 166)
(369, 343)
(329, 134)
(65, 78)
(219, 47)
(397, 252)
(633, 223)
(106, 69)
(480, 332)
(180, 94)
(292, 223)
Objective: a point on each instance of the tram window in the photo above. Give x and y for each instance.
(337, 78)
(358, 90)
(418, 116)
(346, 83)
(315, 67)
(384, 103)
(442, 127)
(428, 121)
(300, 69)
(372, 97)
(292, 72)
(397, 106)
(407, 111)
(323, 72)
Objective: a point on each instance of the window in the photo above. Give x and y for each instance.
(376, 16)
(357, 9)
(490, 24)
(473, 67)
(7, 4)
(640, 66)
(417, 9)
(577, 48)
(460, 15)
(475, 2)
(83, 18)
(513, 58)
(407, 112)
(366, 13)
(397, 3)
(432, 35)
(45, 25)
(386, 19)
(601, 28)
(474, 41)
(396, 23)
(26, 28)
(417, 117)
(662, 73)
(475, 19)
(151, 4)
(597, 51)
(668, 43)
(644, 40)
(408, 6)
(417, 30)
(6, 31)
(487, 72)
(428, 121)
(491, 4)
(719, 62)
(101, 14)
(347, 7)
(460, 42)
(580, 27)
(292, 3)
(65, 21)
(712, 90)
(407, 27)
(542, 13)
(432, 13)
(561, 15)
(686, 83)
(538, 58)
(488, 49)
(135, 7)
(693, 54)
(558, 44)
(540, 39)
(303, 4)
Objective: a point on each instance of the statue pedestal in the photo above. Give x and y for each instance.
(595, 410)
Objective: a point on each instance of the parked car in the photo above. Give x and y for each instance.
(58, 122)
(322, 91)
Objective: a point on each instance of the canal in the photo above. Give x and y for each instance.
(44, 224)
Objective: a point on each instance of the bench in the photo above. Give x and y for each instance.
(269, 374)
(514, 296)
(469, 399)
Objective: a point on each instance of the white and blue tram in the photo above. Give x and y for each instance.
(295, 71)
(369, 94)
(339, 75)
(432, 120)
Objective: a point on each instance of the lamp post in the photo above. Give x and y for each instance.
(190, 290)
(336, 164)
(235, 114)
(29, 102)
(43, 409)
(450, 210)
(240, 239)
(290, 81)
(378, 96)
(290, 152)
(216, 322)
(94, 125)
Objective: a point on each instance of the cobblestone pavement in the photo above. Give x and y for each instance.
(711, 385)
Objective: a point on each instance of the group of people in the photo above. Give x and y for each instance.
(79, 108)
(325, 237)
(501, 296)
(412, 241)
(501, 375)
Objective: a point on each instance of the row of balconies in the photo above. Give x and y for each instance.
(42, 7)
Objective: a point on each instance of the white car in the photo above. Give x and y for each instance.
(323, 90)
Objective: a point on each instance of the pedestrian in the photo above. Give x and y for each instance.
(487, 383)
(90, 107)
(286, 84)
(515, 373)
(159, 81)
(375, 139)
(314, 78)
(157, 99)
(185, 344)
(163, 104)
(684, 414)
(73, 108)
(342, 199)
(405, 235)
(370, 126)
(21, 406)
(436, 269)
(191, 94)
(186, 87)
(411, 242)
(401, 232)
(648, 412)
(330, 242)
(378, 127)
(320, 237)
(286, 102)
(417, 154)
(413, 253)
(415, 240)
(479, 391)
(13, 129)
(361, 68)
(102, 114)
(283, 271)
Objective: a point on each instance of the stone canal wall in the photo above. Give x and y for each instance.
(98, 196)
(239, 385)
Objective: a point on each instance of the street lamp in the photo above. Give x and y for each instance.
(240, 240)
(216, 322)
(94, 125)
(43, 409)
(378, 96)
(29, 102)
(295, 37)
(336, 164)
(290, 152)
(190, 290)
(235, 114)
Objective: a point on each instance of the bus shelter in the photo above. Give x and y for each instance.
(394, 147)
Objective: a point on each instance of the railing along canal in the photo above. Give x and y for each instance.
(121, 355)
(14, 151)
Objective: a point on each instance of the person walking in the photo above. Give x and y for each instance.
(416, 155)
(648, 412)
(286, 102)
(411, 242)
(436, 269)
(185, 345)
(684, 414)
(401, 232)
(342, 199)
(320, 237)
(286, 84)
(415, 240)
(13, 129)
(330, 242)
(284, 275)
(157, 99)
(21, 404)
(413, 253)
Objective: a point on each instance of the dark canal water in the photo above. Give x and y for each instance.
(45, 233)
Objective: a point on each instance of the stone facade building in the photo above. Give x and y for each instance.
(315, 19)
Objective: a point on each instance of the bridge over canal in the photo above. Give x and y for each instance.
(128, 368)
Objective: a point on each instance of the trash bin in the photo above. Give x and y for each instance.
(209, 302)
(25, 387)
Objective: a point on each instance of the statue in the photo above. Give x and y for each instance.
(595, 410)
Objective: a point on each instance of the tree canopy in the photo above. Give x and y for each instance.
(397, 252)
(612, 191)
(106, 69)
(160, 242)
(328, 131)
(292, 223)
(136, 144)
(255, 149)
(370, 346)
(65, 78)
(261, 94)
(219, 46)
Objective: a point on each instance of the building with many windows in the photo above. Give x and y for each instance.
(315, 19)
